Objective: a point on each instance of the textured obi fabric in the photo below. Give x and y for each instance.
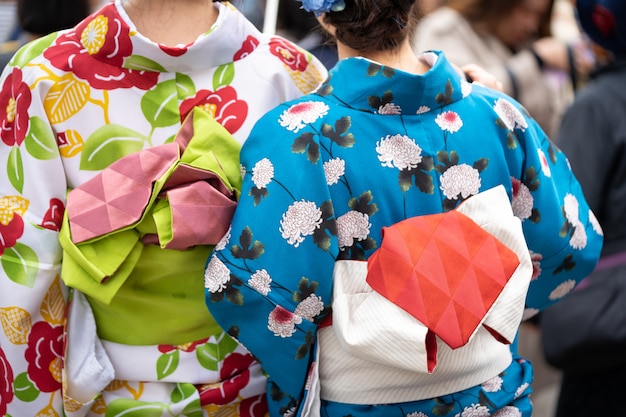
(136, 236)
(432, 311)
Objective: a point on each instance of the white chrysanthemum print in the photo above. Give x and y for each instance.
(422, 110)
(398, 151)
(390, 108)
(570, 206)
(262, 173)
(352, 225)
(510, 115)
(595, 224)
(521, 389)
(260, 281)
(562, 290)
(334, 169)
(299, 115)
(529, 312)
(493, 385)
(282, 322)
(216, 275)
(461, 180)
(221, 245)
(545, 168)
(523, 201)
(475, 410)
(579, 237)
(310, 307)
(466, 88)
(417, 414)
(242, 170)
(301, 219)
(508, 411)
(450, 121)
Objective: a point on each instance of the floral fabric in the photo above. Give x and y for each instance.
(372, 147)
(71, 104)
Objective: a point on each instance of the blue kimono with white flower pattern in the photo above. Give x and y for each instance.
(325, 173)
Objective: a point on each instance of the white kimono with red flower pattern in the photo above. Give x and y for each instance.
(71, 104)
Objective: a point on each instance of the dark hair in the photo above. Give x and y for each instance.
(374, 25)
(491, 11)
(41, 17)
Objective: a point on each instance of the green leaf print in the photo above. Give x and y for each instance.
(223, 76)
(130, 408)
(15, 169)
(141, 63)
(193, 409)
(305, 143)
(40, 142)
(248, 249)
(21, 264)
(108, 144)
(24, 389)
(160, 105)
(182, 391)
(32, 50)
(207, 356)
(167, 363)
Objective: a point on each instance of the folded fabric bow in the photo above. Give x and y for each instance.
(177, 195)
(435, 276)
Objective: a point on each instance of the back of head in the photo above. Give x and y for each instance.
(373, 25)
(43, 17)
(605, 23)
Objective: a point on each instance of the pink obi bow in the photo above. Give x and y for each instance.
(177, 195)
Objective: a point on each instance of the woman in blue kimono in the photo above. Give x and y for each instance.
(394, 229)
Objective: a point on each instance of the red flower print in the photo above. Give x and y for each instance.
(604, 20)
(254, 406)
(95, 51)
(54, 216)
(187, 347)
(15, 98)
(45, 344)
(222, 104)
(6, 383)
(10, 232)
(234, 374)
(287, 52)
(247, 47)
(173, 50)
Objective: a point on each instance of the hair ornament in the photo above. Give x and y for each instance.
(323, 6)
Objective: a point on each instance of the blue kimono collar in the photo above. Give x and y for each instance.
(374, 88)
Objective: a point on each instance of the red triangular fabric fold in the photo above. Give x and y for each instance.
(444, 270)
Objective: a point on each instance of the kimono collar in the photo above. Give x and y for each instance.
(368, 86)
(218, 46)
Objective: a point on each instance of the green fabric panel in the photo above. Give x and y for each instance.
(162, 301)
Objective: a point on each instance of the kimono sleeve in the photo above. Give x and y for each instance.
(269, 281)
(561, 231)
(32, 298)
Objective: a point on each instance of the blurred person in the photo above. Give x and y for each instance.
(36, 19)
(120, 142)
(585, 336)
(335, 273)
(512, 40)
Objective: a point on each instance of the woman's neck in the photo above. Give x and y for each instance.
(402, 58)
(171, 22)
